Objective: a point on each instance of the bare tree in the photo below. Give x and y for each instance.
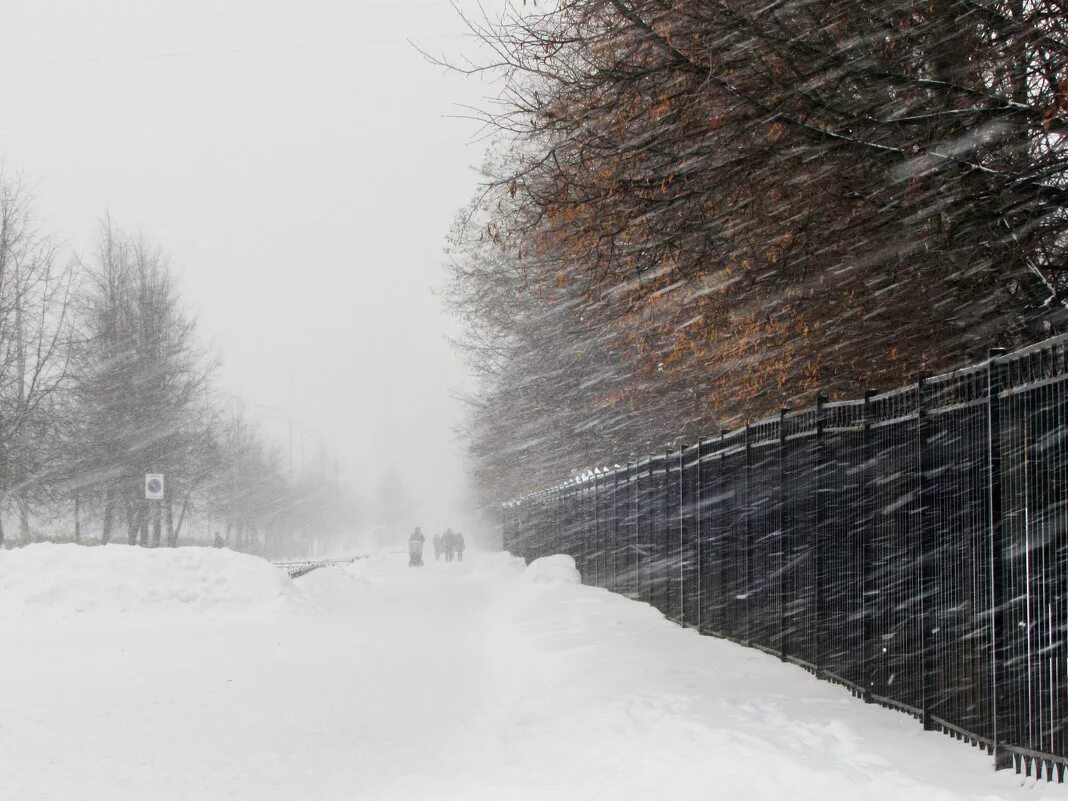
(704, 211)
(35, 348)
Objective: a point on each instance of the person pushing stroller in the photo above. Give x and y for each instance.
(415, 548)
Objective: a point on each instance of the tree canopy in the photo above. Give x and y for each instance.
(698, 212)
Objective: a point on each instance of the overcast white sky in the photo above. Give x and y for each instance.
(296, 162)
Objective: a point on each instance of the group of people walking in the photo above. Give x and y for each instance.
(451, 543)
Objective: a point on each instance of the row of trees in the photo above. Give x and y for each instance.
(102, 380)
(701, 211)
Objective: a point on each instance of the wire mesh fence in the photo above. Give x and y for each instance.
(911, 546)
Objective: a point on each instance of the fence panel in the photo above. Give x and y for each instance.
(960, 675)
(897, 612)
(1033, 462)
(672, 573)
(799, 631)
(713, 514)
(764, 534)
(734, 567)
(848, 639)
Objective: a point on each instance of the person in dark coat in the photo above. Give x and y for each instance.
(458, 544)
(448, 542)
(437, 547)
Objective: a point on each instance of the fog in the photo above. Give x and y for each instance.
(298, 165)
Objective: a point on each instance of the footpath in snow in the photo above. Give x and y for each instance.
(199, 674)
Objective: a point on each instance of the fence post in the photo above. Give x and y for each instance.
(998, 706)
(667, 596)
(559, 521)
(592, 535)
(631, 562)
(508, 535)
(552, 520)
(698, 550)
(785, 540)
(747, 534)
(928, 556)
(868, 591)
(725, 606)
(618, 531)
(820, 600)
(602, 506)
(681, 497)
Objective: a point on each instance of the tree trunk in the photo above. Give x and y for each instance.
(156, 511)
(109, 516)
(1, 531)
(24, 520)
(77, 518)
(142, 524)
(131, 523)
(168, 521)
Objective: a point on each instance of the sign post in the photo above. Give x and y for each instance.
(153, 486)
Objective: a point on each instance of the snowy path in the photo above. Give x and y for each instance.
(472, 681)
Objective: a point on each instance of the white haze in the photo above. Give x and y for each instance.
(296, 163)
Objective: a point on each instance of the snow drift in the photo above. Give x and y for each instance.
(478, 681)
(557, 569)
(76, 579)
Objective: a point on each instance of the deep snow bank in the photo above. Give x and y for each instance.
(73, 579)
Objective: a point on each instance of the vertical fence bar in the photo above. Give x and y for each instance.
(680, 531)
(869, 590)
(928, 554)
(746, 537)
(665, 567)
(612, 567)
(602, 527)
(785, 534)
(998, 702)
(598, 544)
(698, 516)
(626, 537)
(821, 536)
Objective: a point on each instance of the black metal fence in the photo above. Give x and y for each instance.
(912, 546)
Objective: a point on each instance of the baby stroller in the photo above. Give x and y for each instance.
(415, 553)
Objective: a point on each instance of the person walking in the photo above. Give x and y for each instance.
(458, 544)
(415, 548)
(437, 547)
(449, 543)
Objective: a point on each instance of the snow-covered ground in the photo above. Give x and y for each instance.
(200, 674)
